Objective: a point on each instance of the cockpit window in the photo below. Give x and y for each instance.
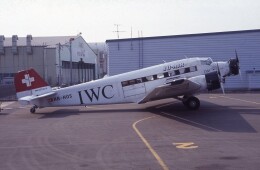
(207, 61)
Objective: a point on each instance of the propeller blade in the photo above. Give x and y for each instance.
(218, 70)
(237, 56)
(220, 79)
(240, 75)
(239, 71)
(222, 87)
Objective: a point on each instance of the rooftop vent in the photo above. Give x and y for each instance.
(29, 44)
(14, 44)
(2, 51)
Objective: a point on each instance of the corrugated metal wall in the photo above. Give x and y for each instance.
(131, 54)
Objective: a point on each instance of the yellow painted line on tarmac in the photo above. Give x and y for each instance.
(247, 101)
(157, 157)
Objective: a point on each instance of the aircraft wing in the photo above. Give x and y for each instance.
(172, 89)
(26, 100)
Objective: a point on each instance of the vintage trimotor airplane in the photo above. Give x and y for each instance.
(180, 79)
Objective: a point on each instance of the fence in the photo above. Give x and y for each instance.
(7, 93)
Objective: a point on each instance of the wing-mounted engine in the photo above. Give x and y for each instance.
(233, 66)
(209, 81)
(213, 81)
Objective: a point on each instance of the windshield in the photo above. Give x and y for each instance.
(206, 61)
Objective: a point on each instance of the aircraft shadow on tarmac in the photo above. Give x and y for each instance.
(69, 112)
(61, 113)
(210, 116)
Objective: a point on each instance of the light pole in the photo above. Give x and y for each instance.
(59, 66)
(71, 61)
(70, 51)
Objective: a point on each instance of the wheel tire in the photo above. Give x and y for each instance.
(32, 110)
(192, 103)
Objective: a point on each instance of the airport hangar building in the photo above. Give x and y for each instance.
(135, 53)
(52, 57)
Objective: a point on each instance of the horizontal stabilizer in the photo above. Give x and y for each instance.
(27, 99)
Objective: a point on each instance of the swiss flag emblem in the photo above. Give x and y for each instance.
(28, 80)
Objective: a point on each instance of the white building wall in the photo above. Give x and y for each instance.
(42, 54)
(80, 51)
(50, 66)
(131, 54)
(12, 63)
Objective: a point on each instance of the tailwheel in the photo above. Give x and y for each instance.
(192, 103)
(33, 109)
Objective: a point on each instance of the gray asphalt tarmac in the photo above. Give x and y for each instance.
(223, 134)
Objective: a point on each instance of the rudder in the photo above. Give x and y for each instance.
(30, 83)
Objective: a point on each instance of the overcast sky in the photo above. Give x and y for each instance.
(95, 19)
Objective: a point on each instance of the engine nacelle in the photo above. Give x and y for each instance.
(212, 80)
(209, 81)
(234, 66)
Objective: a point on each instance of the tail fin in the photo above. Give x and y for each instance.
(30, 83)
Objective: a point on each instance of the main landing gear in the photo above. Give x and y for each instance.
(191, 102)
(33, 109)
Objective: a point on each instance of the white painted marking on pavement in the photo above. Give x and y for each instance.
(192, 122)
(247, 101)
(4, 104)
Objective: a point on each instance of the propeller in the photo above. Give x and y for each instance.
(239, 71)
(234, 65)
(221, 80)
(237, 57)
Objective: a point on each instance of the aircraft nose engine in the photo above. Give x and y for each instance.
(212, 80)
(234, 65)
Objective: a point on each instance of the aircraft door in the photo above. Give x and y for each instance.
(133, 88)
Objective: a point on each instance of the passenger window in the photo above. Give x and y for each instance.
(182, 71)
(139, 80)
(177, 72)
(172, 73)
(144, 79)
(187, 70)
(166, 74)
(131, 82)
(193, 68)
(149, 78)
(160, 75)
(124, 83)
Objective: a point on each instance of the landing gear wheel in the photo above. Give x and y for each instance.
(33, 109)
(192, 103)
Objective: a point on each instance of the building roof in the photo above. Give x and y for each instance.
(40, 41)
(185, 35)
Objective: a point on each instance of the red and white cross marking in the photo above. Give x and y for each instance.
(28, 80)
